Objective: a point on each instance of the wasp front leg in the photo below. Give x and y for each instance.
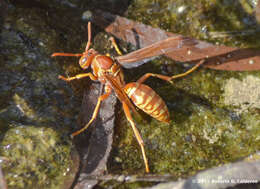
(79, 76)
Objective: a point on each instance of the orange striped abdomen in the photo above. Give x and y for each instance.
(147, 100)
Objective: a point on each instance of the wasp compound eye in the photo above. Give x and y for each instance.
(83, 62)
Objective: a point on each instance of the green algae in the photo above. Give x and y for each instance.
(36, 111)
(226, 22)
(35, 156)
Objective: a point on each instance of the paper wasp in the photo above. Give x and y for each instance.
(108, 71)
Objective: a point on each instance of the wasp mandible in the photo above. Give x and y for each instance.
(108, 71)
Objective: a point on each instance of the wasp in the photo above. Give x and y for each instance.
(108, 71)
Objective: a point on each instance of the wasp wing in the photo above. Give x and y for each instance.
(122, 96)
(141, 56)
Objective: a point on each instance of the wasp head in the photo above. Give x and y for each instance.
(86, 58)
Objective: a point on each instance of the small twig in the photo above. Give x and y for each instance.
(131, 178)
(231, 33)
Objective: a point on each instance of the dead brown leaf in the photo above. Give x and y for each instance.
(140, 35)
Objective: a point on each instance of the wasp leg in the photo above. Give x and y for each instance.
(147, 75)
(112, 39)
(189, 71)
(79, 76)
(169, 78)
(100, 99)
(137, 135)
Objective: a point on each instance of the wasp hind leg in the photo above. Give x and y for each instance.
(189, 71)
(137, 135)
(169, 78)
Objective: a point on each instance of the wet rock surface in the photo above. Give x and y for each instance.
(38, 112)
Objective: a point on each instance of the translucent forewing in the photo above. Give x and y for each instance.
(141, 56)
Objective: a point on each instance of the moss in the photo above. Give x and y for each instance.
(206, 19)
(35, 153)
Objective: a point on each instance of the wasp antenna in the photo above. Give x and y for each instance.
(65, 54)
(89, 36)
